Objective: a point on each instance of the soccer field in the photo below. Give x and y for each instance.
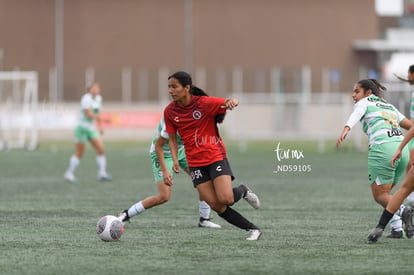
(316, 212)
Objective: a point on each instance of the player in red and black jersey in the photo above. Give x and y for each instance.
(195, 116)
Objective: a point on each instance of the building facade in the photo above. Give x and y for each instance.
(103, 38)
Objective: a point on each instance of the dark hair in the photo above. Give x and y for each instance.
(185, 79)
(373, 85)
(411, 69)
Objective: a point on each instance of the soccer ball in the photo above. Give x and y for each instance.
(109, 228)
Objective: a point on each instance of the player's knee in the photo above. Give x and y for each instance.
(381, 199)
(163, 199)
(378, 200)
(218, 207)
(226, 200)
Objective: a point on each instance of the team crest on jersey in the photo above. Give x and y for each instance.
(197, 114)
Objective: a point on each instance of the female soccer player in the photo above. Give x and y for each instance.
(86, 130)
(162, 164)
(399, 196)
(195, 119)
(381, 121)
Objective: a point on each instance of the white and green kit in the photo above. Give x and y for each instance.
(381, 122)
(86, 129)
(161, 132)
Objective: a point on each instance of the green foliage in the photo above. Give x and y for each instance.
(314, 222)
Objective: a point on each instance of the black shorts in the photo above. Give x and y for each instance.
(210, 172)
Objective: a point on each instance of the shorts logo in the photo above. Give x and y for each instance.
(219, 169)
(196, 174)
(176, 119)
(197, 114)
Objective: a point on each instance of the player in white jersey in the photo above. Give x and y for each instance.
(162, 164)
(90, 129)
(381, 121)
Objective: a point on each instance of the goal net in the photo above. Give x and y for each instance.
(18, 106)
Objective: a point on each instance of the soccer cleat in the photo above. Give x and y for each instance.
(123, 216)
(104, 177)
(250, 197)
(407, 220)
(396, 234)
(375, 234)
(254, 235)
(206, 223)
(70, 177)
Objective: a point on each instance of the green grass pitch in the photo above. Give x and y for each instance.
(314, 222)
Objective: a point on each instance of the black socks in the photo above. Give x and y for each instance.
(238, 193)
(385, 219)
(234, 217)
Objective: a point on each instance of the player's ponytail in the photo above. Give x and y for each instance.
(411, 69)
(373, 85)
(194, 90)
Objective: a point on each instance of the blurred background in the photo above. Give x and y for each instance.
(292, 63)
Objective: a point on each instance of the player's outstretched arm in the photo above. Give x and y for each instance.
(230, 103)
(343, 135)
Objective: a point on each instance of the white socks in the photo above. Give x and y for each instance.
(101, 162)
(400, 210)
(396, 223)
(73, 164)
(204, 210)
(136, 209)
(410, 199)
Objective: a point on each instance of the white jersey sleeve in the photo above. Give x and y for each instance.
(359, 110)
(400, 116)
(86, 101)
(163, 131)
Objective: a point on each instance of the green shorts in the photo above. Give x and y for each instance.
(380, 170)
(158, 176)
(83, 134)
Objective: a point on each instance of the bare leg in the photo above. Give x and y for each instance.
(164, 193)
(382, 193)
(399, 196)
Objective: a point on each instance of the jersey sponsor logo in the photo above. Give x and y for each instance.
(394, 133)
(373, 99)
(219, 169)
(197, 114)
(384, 106)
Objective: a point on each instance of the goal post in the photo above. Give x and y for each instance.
(18, 108)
